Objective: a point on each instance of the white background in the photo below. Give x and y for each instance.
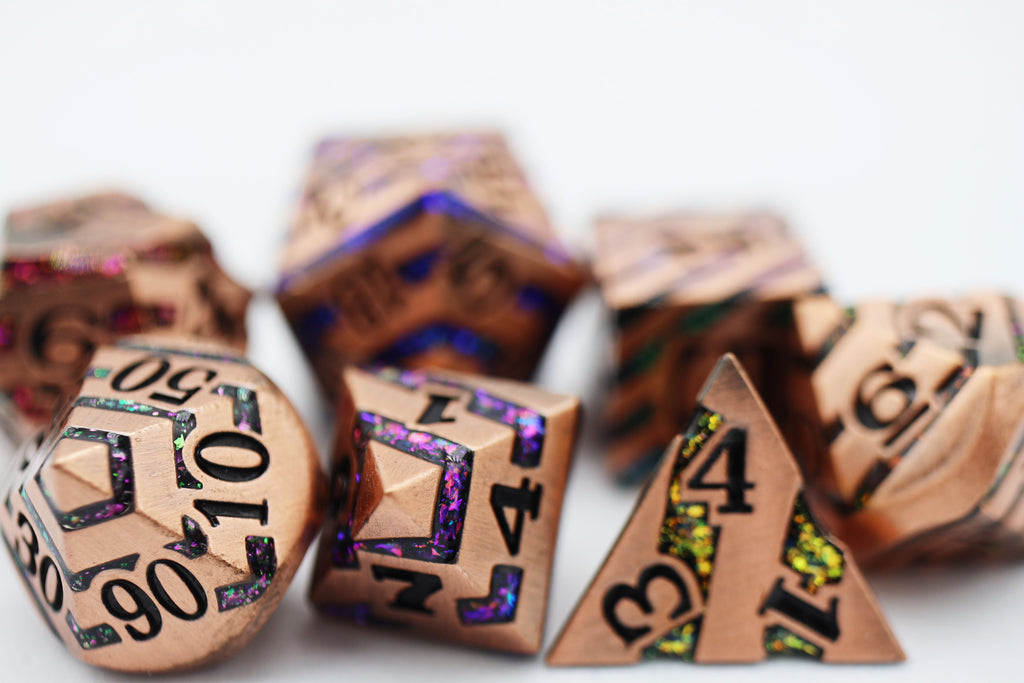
(890, 133)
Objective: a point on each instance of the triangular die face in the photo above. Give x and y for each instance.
(400, 496)
(721, 560)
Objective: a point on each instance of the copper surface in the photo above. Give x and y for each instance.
(686, 288)
(423, 251)
(81, 272)
(721, 561)
(915, 411)
(160, 520)
(444, 518)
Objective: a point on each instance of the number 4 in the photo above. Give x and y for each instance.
(522, 500)
(734, 443)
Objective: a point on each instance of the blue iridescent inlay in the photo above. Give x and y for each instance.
(499, 606)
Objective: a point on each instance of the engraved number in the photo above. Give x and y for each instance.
(126, 379)
(523, 500)
(144, 606)
(734, 443)
(798, 609)
(412, 598)
(638, 595)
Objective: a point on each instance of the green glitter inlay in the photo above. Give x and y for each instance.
(685, 532)
(809, 553)
(679, 643)
(97, 373)
(779, 641)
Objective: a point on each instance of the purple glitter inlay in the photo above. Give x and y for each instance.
(122, 483)
(358, 612)
(194, 544)
(499, 606)
(245, 409)
(452, 495)
(92, 638)
(462, 340)
(182, 424)
(529, 425)
(262, 564)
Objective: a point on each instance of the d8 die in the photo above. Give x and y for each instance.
(160, 521)
(80, 272)
(686, 288)
(423, 251)
(916, 430)
(446, 498)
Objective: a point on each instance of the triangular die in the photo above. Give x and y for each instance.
(721, 560)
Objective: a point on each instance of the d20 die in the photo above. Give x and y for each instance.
(423, 251)
(685, 289)
(914, 415)
(446, 499)
(160, 521)
(722, 561)
(81, 272)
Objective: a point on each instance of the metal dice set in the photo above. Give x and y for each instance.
(160, 517)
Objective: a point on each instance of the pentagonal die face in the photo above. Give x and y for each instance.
(915, 412)
(420, 252)
(447, 494)
(161, 520)
(686, 288)
(82, 272)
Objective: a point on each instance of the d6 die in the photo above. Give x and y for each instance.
(159, 522)
(423, 251)
(446, 499)
(915, 423)
(686, 288)
(80, 272)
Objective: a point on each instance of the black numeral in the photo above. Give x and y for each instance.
(32, 542)
(638, 595)
(413, 598)
(523, 500)
(212, 509)
(162, 366)
(816, 619)
(174, 383)
(143, 607)
(166, 601)
(47, 568)
(435, 410)
(158, 367)
(734, 443)
(231, 473)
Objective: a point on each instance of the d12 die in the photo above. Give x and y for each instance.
(423, 251)
(80, 272)
(722, 561)
(685, 289)
(160, 521)
(447, 494)
(913, 423)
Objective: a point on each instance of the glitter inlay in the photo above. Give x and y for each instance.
(809, 553)
(499, 606)
(679, 643)
(81, 580)
(452, 494)
(685, 532)
(122, 482)
(92, 638)
(245, 410)
(528, 424)
(262, 564)
(183, 423)
(194, 544)
(97, 373)
(780, 641)
(462, 340)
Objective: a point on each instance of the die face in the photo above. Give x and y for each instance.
(161, 520)
(685, 289)
(445, 505)
(421, 252)
(721, 560)
(82, 272)
(916, 418)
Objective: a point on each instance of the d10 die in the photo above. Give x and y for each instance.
(685, 289)
(915, 429)
(722, 561)
(160, 521)
(78, 273)
(423, 251)
(447, 494)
